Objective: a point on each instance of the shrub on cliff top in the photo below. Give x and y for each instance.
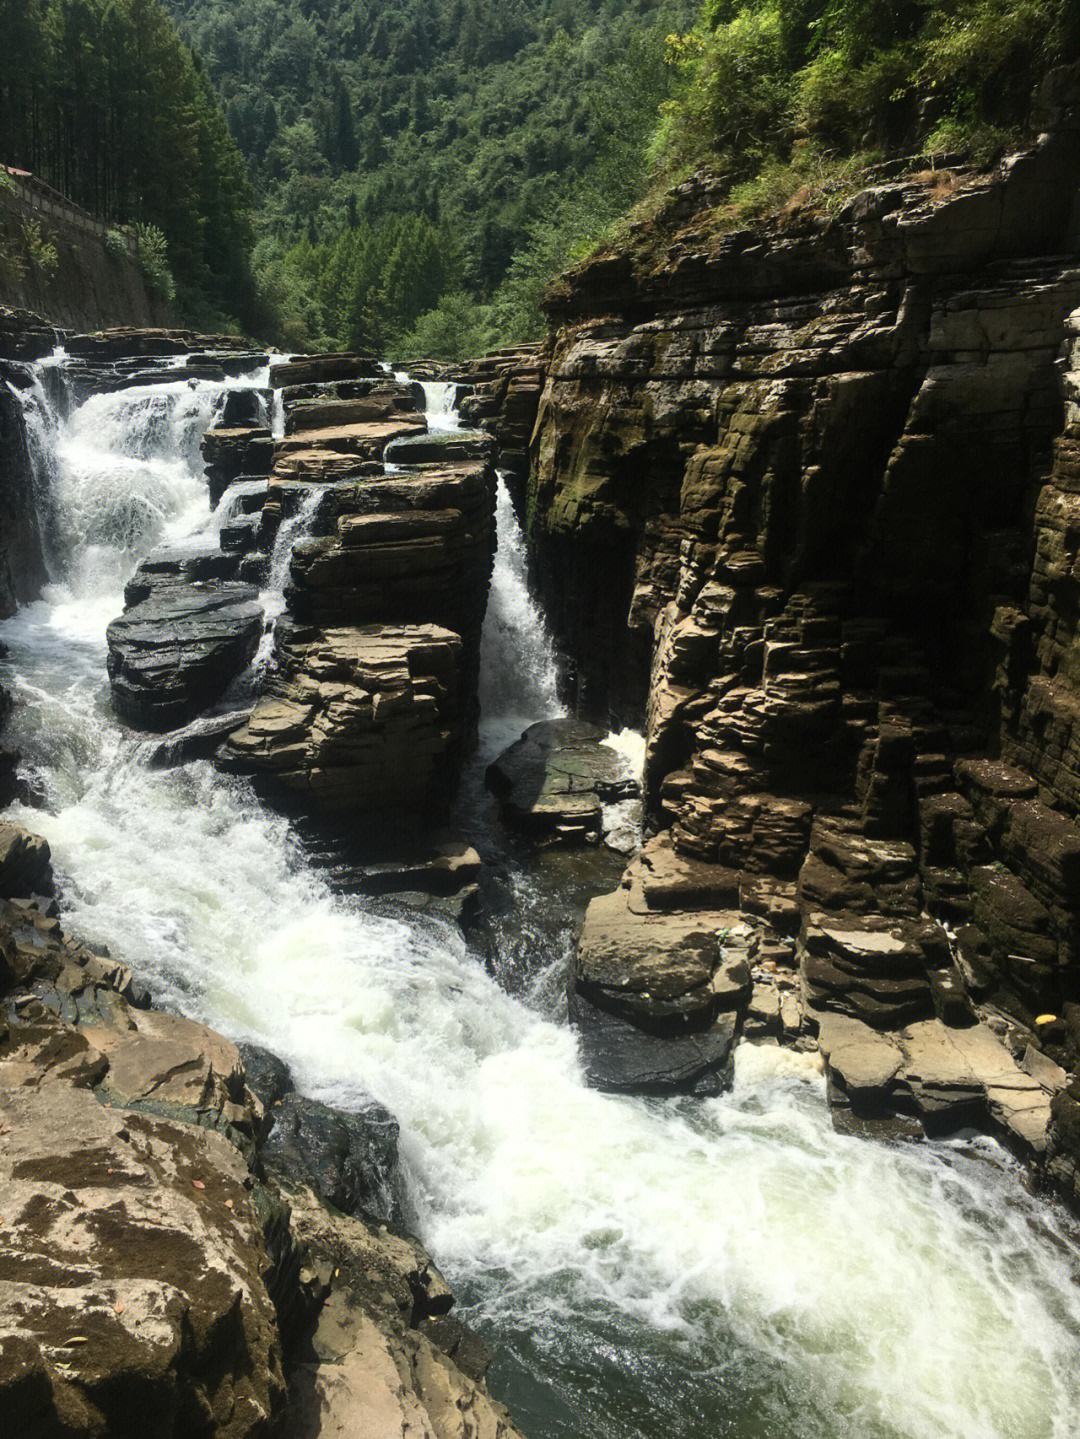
(846, 75)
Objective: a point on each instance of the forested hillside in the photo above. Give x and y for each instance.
(103, 100)
(410, 149)
(774, 95)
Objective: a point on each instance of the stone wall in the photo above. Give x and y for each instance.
(90, 286)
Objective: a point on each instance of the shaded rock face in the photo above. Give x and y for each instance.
(22, 559)
(500, 394)
(24, 335)
(801, 504)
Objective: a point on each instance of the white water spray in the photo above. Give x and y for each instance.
(519, 675)
(442, 415)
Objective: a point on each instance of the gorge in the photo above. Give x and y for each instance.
(799, 505)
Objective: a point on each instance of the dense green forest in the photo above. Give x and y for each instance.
(777, 94)
(103, 100)
(489, 135)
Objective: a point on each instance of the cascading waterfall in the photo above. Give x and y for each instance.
(442, 415)
(40, 426)
(519, 675)
(689, 1269)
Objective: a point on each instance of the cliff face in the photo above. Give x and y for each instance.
(804, 498)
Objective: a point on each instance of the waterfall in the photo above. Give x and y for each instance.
(442, 416)
(272, 598)
(681, 1269)
(41, 423)
(518, 671)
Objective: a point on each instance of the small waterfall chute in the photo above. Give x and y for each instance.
(519, 672)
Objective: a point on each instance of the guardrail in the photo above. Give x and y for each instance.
(39, 200)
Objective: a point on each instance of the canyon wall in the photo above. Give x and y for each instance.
(803, 503)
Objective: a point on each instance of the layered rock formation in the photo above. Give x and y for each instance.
(802, 500)
(169, 1263)
(500, 394)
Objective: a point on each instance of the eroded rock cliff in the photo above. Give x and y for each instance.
(803, 503)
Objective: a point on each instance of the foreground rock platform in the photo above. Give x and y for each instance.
(170, 1263)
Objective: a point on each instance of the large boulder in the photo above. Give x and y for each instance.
(25, 862)
(554, 781)
(654, 969)
(622, 1058)
(174, 652)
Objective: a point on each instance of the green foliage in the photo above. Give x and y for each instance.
(848, 75)
(504, 124)
(154, 260)
(458, 328)
(116, 243)
(40, 250)
(102, 99)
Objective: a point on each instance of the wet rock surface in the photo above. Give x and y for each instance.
(553, 783)
(174, 652)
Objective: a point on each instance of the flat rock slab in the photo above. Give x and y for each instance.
(622, 1059)
(440, 449)
(554, 781)
(948, 1077)
(661, 878)
(174, 653)
(322, 369)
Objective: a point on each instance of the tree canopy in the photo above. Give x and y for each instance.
(102, 99)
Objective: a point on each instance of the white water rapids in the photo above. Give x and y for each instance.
(727, 1267)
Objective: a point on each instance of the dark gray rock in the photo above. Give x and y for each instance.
(244, 407)
(174, 652)
(622, 1059)
(268, 1077)
(349, 1158)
